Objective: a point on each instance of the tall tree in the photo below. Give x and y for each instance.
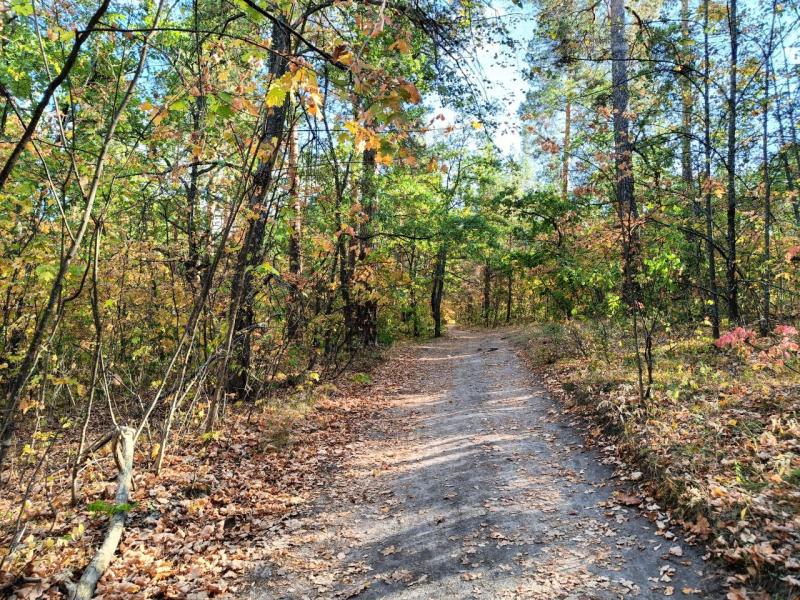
(627, 209)
(731, 232)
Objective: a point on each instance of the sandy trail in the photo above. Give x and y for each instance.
(474, 486)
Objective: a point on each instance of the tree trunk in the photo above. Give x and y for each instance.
(687, 174)
(626, 202)
(192, 193)
(438, 290)
(251, 254)
(731, 275)
(295, 313)
(368, 307)
(412, 269)
(487, 290)
(791, 187)
(764, 322)
(709, 216)
(566, 149)
(509, 296)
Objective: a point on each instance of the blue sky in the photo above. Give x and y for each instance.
(497, 71)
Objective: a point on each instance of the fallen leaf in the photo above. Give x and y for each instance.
(628, 499)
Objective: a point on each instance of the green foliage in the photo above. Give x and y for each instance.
(107, 508)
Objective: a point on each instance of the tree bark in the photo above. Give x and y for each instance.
(731, 271)
(687, 174)
(251, 254)
(509, 296)
(566, 149)
(709, 216)
(487, 290)
(764, 322)
(624, 184)
(791, 187)
(438, 290)
(123, 448)
(295, 316)
(368, 307)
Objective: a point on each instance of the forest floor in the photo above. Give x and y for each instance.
(473, 483)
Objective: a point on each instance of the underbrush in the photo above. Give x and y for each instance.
(718, 440)
(198, 528)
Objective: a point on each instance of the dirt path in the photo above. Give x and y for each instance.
(474, 487)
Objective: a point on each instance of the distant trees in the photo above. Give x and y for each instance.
(672, 56)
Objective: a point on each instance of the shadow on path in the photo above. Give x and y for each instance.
(475, 488)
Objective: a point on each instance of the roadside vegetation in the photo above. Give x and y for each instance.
(716, 442)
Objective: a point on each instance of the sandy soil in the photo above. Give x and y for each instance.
(473, 485)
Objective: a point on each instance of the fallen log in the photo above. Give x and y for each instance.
(124, 441)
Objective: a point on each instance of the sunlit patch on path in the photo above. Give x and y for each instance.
(473, 487)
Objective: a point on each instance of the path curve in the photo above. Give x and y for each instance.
(473, 486)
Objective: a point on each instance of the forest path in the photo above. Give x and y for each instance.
(472, 485)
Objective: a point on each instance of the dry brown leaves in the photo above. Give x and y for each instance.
(198, 530)
(724, 455)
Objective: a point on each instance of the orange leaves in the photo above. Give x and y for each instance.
(383, 159)
(401, 45)
(792, 253)
(410, 93)
(363, 138)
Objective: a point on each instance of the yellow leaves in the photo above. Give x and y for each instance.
(718, 491)
(278, 90)
(363, 138)
(299, 80)
(477, 125)
(383, 159)
(77, 532)
(305, 81)
(342, 54)
(323, 243)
